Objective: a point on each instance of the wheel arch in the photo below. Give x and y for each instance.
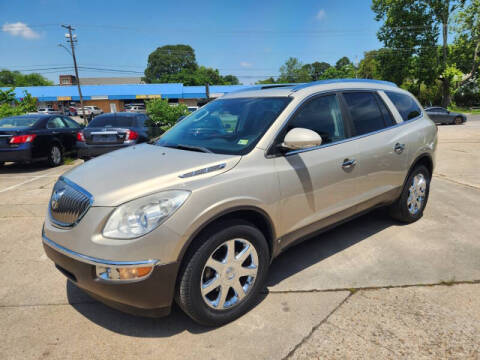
(422, 159)
(251, 214)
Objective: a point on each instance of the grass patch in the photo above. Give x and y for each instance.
(464, 110)
(68, 161)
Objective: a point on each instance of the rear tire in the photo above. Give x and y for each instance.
(409, 206)
(55, 155)
(213, 288)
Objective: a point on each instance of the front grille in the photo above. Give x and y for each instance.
(68, 203)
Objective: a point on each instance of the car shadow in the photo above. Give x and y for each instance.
(24, 168)
(136, 326)
(320, 247)
(290, 262)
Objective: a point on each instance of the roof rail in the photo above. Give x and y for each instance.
(272, 86)
(334, 81)
(264, 87)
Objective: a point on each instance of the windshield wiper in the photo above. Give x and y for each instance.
(190, 147)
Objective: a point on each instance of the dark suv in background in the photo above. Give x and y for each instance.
(110, 132)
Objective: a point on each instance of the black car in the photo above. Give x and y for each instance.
(112, 131)
(443, 116)
(29, 138)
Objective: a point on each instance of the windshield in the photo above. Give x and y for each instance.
(113, 121)
(226, 126)
(18, 122)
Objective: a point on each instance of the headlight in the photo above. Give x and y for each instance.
(139, 217)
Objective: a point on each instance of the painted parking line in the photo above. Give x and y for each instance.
(22, 183)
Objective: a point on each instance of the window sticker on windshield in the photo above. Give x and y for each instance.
(242, 142)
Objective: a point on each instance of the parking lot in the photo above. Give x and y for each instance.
(369, 288)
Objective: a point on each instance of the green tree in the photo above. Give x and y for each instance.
(342, 62)
(169, 60)
(177, 64)
(293, 72)
(412, 28)
(230, 80)
(163, 115)
(467, 40)
(369, 67)
(316, 69)
(270, 80)
(16, 78)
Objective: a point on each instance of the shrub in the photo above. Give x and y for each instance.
(164, 115)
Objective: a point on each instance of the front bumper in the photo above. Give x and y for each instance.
(150, 297)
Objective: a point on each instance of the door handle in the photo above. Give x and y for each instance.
(399, 148)
(348, 163)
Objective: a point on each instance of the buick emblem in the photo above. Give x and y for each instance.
(57, 194)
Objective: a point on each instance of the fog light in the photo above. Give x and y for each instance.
(123, 273)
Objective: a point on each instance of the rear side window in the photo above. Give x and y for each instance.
(71, 123)
(113, 121)
(364, 111)
(55, 123)
(406, 106)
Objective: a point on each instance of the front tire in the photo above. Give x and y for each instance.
(223, 273)
(409, 206)
(55, 155)
(458, 120)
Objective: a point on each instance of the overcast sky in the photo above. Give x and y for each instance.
(250, 39)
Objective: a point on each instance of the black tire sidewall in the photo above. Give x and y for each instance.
(195, 305)
(404, 197)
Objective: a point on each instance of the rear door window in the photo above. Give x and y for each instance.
(406, 106)
(56, 123)
(364, 112)
(387, 115)
(71, 123)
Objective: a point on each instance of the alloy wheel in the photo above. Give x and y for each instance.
(416, 194)
(56, 155)
(229, 274)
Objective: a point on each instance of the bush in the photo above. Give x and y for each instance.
(164, 115)
(9, 106)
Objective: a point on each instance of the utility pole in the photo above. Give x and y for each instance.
(72, 39)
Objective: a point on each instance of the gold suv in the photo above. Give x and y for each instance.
(199, 215)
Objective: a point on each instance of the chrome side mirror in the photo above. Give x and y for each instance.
(301, 138)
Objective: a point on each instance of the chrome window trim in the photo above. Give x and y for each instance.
(92, 260)
(78, 188)
(352, 138)
(326, 92)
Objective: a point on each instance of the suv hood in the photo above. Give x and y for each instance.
(123, 175)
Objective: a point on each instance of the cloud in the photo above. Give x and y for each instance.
(245, 64)
(321, 14)
(20, 29)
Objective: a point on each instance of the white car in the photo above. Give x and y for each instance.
(136, 109)
(48, 110)
(192, 108)
(90, 110)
